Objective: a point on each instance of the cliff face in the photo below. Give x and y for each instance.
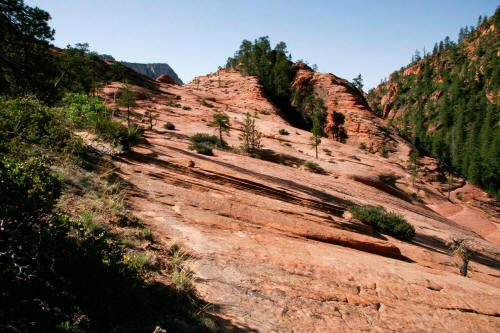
(154, 70)
(447, 104)
(361, 125)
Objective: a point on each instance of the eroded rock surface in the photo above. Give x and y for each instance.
(273, 248)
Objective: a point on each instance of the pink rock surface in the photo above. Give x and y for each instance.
(273, 247)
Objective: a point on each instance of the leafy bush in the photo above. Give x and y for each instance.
(79, 107)
(25, 123)
(283, 132)
(362, 146)
(264, 112)
(135, 134)
(388, 223)
(204, 143)
(28, 189)
(185, 107)
(168, 125)
(90, 113)
(312, 166)
(205, 103)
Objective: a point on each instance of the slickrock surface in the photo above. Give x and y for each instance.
(275, 251)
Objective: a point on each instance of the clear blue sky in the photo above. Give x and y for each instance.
(345, 38)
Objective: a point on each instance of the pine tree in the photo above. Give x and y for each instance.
(250, 136)
(358, 82)
(221, 121)
(128, 99)
(318, 118)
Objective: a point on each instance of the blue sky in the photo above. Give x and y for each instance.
(345, 38)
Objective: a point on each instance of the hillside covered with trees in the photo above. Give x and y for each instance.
(276, 72)
(447, 102)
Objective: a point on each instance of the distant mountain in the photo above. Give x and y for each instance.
(152, 70)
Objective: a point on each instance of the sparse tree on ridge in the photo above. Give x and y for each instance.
(358, 82)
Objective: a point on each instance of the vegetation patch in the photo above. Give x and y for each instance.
(283, 131)
(384, 222)
(313, 167)
(169, 126)
(204, 143)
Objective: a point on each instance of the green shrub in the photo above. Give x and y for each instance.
(383, 151)
(79, 107)
(169, 126)
(205, 103)
(283, 132)
(264, 112)
(90, 113)
(135, 134)
(387, 223)
(312, 166)
(204, 143)
(29, 189)
(25, 123)
(327, 151)
(362, 145)
(185, 107)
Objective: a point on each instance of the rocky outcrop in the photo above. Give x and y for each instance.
(165, 78)
(361, 125)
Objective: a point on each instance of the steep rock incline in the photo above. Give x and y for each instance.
(361, 124)
(272, 249)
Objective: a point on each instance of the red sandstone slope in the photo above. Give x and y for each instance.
(273, 248)
(361, 124)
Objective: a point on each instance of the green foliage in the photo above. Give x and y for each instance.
(318, 115)
(221, 121)
(26, 124)
(358, 82)
(128, 100)
(28, 190)
(250, 137)
(275, 71)
(169, 126)
(205, 103)
(362, 146)
(90, 113)
(383, 151)
(388, 223)
(29, 67)
(312, 166)
(185, 107)
(283, 131)
(447, 107)
(25, 54)
(204, 143)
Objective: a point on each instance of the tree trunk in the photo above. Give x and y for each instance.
(128, 115)
(316, 144)
(220, 135)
